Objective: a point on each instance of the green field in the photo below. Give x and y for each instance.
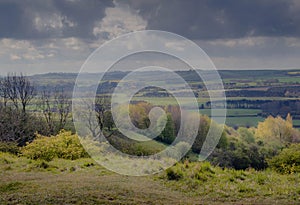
(168, 100)
(200, 100)
(296, 123)
(239, 117)
(234, 112)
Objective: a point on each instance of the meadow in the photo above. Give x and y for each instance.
(82, 181)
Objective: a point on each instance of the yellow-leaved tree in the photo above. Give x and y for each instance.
(276, 130)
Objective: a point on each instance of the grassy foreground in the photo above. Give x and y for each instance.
(24, 181)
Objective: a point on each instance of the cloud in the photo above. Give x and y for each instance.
(20, 50)
(15, 57)
(58, 35)
(253, 52)
(30, 19)
(205, 19)
(119, 20)
(213, 19)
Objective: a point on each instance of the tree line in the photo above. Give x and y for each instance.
(240, 149)
(18, 123)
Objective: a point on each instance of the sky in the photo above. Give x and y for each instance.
(58, 35)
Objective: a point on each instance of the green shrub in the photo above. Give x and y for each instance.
(261, 179)
(134, 147)
(174, 173)
(42, 164)
(9, 147)
(288, 161)
(195, 171)
(64, 145)
(246, 135)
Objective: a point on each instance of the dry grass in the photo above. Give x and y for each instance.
(24, 181)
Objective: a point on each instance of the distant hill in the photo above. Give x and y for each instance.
(190, 76)
(233, 79)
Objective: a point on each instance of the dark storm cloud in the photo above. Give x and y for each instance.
(195, 19)
(210, 19)
(71, 18)
(13, 21)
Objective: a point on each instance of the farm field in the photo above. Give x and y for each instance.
(239, 117)
(296, 123)
(234, 112)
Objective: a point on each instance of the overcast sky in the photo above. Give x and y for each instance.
(58, 35)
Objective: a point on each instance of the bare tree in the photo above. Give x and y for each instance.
(25, 91)
(18, 89)
(47, 107)
(56, 108)
(63, 106)
(88, 116)
(19, 128)
(16, 124)
(102, 105)
(3, 92)
(11, 87)
(99, 110)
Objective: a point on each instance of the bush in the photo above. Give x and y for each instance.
(168, 134)
(174, 173)
(246, 135)
(239, 155)
(195, 171)
(10, 147)
(134, 147)
(288, 161)
(15, 126)
(64, 145)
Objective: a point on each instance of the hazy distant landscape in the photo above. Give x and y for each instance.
(251, 96)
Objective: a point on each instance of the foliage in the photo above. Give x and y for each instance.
(133, 147)
(205, 125)
(174, 173)
(277, 132)
(288, 161)
(168, 134)
(251, 147)
(202, 133)
(199, 172)
(139, 114)
(40, 182)
(210, 182)
(240, 151)
(64, 145)
(108, 120)
(10, 147)
(246, 135)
